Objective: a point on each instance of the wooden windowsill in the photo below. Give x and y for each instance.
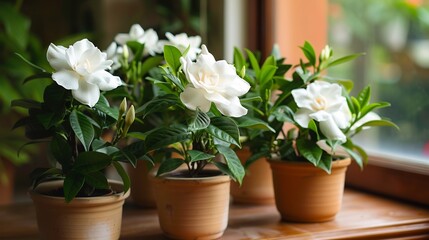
(363, 216)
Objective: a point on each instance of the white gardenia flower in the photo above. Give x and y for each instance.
(81, 68)
(323, 102)
(182, 42)
(149, 38)
(213, 81)
(114, 53)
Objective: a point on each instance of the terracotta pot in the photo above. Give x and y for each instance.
(141, 187)
(82, 218)
(7, 176)
(193, 208)
(305, 193)
(257, 186)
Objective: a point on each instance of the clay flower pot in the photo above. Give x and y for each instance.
(193, 208)
(305, 193)
(141, 186)
(257, 186)
(82, 218)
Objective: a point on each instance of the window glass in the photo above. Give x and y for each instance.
(394, 34)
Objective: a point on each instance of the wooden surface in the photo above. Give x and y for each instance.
(363, 216)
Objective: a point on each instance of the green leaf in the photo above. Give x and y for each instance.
(364, 96)
(253, 62)
(172, 57)
(309, 53)
(157, 104)
(233, 162)
(83, 128)
(344, 59)
(268, 70)
(368, 108)
(104, 106)
(165, 136)
(199, 120)
(169, 165)
(225, 129)
(377, 123)
(97, 180)
(61, 151)
(283, 114)
(356, 104)
(357, 157)
(26, 103)
(198, 155)
(124, 176)
(42, 75)
(150, 63)
(72, 185)
(30, 63)
(312, 125)
(89, 162)
(251, 122)
(325, 162)
(309, 150)
(239, 60)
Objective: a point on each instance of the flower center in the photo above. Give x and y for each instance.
(208, 79)
(319, 103)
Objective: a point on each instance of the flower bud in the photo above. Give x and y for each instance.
(129, 119)
(243, 72)
(326, 53)
(122, 108)
(126, 53)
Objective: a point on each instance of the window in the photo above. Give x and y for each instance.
(394, 35)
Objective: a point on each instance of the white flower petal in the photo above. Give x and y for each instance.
(371, 116)
(194, 98)
(122, 38)
(104, 80)
(302, 117)
(87, 93)
(331, 131)
(232, 109)
(56, 56)
(67, 79)
(302, 98)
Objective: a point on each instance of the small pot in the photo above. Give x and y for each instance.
(193, 208)
(142, 193)
(305, 193)
(257, 186)
(83, 218)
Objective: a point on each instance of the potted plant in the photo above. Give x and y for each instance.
(15, 39)
(256, 132)
(314, 118)
(74, 198)
(196, 104)
(136, 56)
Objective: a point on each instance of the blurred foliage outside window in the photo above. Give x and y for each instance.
(394, 34)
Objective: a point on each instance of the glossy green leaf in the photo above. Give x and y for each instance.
(252, 122)
(157, 104)
(82, 128)
(309, 53)
(172, 57)
(89, 162)
(253, 62)
(200, 120)
(198, 155)
(97, 180)
(73, 183)
(364, 96)
(325, 162)
(124, 176)
(344, 59)
(61, 151)
(104, 106)
(224, 129)
(150, 63)
(309, 150)
(26, 103)
(163, 137)
(169, 165)
(239, 60)
(233, 163)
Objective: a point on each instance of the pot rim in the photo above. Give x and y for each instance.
(116, 185)
(335, 164)
(220, 177)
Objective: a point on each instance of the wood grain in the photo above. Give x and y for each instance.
(363, 216)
